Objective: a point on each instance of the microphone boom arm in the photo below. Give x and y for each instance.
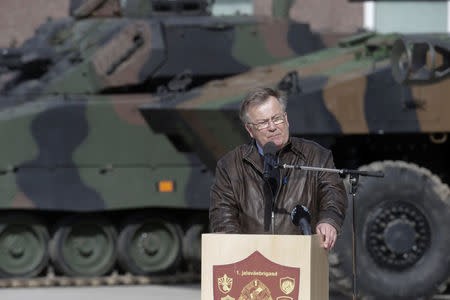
(341, 172)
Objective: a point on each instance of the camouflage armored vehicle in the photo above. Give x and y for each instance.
(86, 187)
(380, 103)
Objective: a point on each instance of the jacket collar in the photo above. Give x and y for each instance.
(252, 155)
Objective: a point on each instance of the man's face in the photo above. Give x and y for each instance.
(269, 111)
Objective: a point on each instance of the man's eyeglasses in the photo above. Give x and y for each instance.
(276, 120)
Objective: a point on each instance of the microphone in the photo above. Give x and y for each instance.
(269, 150)
(301, 217)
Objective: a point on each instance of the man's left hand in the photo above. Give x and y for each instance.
(329, 233)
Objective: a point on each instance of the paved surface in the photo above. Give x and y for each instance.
(150, 292)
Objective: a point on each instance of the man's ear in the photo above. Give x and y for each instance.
(249, 130)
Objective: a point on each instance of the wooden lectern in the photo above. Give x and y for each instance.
(277, 267)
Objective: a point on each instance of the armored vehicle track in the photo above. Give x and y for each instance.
(114, 279)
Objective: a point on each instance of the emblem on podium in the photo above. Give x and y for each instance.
(287, 285)
(256, 278)
(255, 290)
(225, 284)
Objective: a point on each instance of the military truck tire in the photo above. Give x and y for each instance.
(84, 246)
(24, 245)
(403, 234)
(149, 245)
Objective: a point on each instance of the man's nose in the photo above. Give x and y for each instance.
(272, 126)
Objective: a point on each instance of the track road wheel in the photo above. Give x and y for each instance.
(84, 246)
(23, 245)
(149, 245)
(403, 234)
(192, 246)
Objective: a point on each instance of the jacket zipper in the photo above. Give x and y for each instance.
(272, 223)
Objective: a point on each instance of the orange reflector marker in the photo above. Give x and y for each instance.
(165, 186)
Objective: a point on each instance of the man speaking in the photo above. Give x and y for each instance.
(249, 195)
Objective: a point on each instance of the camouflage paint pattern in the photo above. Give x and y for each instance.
(344, 91)
(69, 100)
(58, 164)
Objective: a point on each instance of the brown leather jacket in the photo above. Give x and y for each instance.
(239, 193)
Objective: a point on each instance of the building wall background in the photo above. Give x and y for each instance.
(334, 16)
(413, 17)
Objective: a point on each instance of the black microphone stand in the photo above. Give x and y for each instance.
(353, 179)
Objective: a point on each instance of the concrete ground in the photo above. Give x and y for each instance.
(141, 292)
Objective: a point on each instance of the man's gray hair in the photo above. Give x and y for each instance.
(258, 96)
